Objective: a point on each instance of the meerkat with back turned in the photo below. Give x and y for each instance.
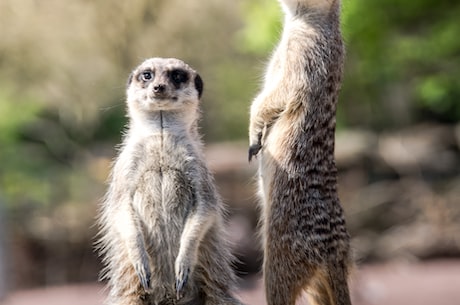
(161, 223)
(292, 124)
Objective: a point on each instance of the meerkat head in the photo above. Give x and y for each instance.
(163, 84)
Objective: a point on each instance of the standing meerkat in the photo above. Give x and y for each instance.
(161, 223)
(292, 124)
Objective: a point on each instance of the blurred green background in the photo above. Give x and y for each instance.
(63, 68)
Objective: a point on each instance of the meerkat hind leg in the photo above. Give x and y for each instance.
(319, 291)
(282, 285)
(327, 287)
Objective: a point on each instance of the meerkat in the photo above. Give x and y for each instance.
(161, 222)
(292, 128)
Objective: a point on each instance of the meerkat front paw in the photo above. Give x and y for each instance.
(182, 275)
(144, 274)
(253, 151)
(255, 146)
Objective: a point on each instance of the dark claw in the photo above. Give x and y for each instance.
(180, 284)
(253, 151)
(144, 278)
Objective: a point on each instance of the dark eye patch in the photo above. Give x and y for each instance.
(178, 77)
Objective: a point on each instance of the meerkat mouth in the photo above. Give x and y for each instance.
(164, 98)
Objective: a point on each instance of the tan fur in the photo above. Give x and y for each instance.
(161, 223)
(292, 123)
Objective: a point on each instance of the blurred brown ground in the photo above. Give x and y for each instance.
(436, 282)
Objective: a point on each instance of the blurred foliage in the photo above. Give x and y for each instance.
(263, 26)
(18, 170)
(403, 62)
(63, 68)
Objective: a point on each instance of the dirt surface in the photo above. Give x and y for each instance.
(392, 283)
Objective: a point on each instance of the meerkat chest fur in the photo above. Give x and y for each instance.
(163, 160)
(306, 71)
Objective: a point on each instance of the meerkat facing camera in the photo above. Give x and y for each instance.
(161, 223)
(292, 124)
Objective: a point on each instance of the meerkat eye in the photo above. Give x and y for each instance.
(146, 75)
(179, 76)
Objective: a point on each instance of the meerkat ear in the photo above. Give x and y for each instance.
(199, 85)
(130, 79)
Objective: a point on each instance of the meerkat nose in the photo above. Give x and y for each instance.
(160, 88)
